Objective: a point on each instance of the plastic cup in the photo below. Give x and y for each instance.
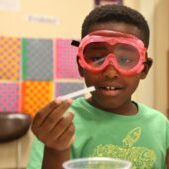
(97, 163)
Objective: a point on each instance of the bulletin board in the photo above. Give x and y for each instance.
(33, 72)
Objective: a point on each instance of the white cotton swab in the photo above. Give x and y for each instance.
(78, 93)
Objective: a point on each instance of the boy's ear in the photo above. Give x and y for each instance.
(80, 69)
(147, 66)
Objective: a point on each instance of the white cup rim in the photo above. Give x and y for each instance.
(66, 163)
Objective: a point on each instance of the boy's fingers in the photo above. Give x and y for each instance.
(64, 141)
(67, 138)
(51, 120)
(50, 113)
(50, 137)
(62, 125)
(44, 112)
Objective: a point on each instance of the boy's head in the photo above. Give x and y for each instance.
(116, 14)
(112, 55)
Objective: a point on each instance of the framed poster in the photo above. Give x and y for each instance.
(104, 2)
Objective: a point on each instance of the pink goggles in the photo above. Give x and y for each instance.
(124, 52)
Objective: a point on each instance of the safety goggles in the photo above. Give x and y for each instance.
(124, 52)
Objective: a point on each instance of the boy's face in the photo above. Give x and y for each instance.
(113, 90)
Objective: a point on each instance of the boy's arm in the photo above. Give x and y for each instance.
(56, 130)
(167, 159)
(54, 159)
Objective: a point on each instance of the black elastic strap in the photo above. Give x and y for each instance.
(75, 43)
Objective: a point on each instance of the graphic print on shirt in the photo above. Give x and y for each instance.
(141, 157)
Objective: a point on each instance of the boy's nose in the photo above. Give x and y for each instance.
(110, 72)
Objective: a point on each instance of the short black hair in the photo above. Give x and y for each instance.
(117, 13)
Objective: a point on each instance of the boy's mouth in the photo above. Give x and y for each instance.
(110, 90)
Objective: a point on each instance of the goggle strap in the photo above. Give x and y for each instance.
(148, 62)
(75, 43)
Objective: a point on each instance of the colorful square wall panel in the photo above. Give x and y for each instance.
(65, 60)
(37, 59)
(10, 55)
(9, 97)
(35, 95)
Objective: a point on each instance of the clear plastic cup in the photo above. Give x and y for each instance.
(97, 163)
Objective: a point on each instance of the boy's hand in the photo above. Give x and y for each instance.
(52, 127)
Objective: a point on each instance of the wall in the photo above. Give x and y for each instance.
(162, 55)
(69, 16)
(152, 91)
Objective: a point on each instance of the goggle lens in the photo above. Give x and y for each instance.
(97, 53)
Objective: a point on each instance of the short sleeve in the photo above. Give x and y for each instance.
(167, 134)
(36, 155)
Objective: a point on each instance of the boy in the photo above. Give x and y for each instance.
(112, 57)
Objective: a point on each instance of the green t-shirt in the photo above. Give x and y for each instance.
(142, 139)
